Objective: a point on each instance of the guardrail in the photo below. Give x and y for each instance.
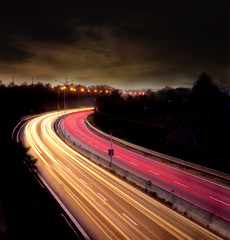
(192, 211)
(163, 156)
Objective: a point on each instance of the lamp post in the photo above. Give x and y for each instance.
(63, 88)
(78, 90)
(73, 89)
(65, 102)
(58, 104)
(82, 89)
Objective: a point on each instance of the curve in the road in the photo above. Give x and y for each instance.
(208, 195)
(105, 206)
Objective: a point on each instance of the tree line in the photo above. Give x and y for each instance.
(17, 100)
(159, 113)
(204, 97)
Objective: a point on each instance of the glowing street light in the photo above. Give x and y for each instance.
(73, 89)
(58, 104)
(78, 90)
(64, 88)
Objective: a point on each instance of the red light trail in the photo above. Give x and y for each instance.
(204, 193)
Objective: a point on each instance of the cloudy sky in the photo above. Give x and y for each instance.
(127, 44)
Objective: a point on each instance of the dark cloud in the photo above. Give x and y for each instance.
(153, 42)
(11, 54)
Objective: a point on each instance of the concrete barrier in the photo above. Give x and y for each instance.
(205, 218)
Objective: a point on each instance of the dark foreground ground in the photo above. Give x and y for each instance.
(27, 211)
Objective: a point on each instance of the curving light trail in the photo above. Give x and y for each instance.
(208, 195)
(105, 206)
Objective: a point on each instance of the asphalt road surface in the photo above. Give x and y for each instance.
(208, 195)
(103, 205)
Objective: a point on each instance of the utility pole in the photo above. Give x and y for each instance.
(111, 150)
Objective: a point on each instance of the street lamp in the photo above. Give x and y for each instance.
(63, 88)
(74, 90)
(65, 102)
(82, 90)
(78, 90)
(58, 104)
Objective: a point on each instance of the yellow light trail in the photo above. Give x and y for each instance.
(99, 211)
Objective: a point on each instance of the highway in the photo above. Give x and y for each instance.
(103, 205)
(208, 195)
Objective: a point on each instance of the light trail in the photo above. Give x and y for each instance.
(104, 205)
(201, 192)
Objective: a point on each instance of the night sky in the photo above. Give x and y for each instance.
(126, 44)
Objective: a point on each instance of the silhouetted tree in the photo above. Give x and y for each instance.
(204, 87)
(204, 92)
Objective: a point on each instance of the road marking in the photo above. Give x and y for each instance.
(181, 184)
(154, 172)
(69, 169)
(83, 181)
(129, 219)
(133, 163)
(102, 196)
(219, 201)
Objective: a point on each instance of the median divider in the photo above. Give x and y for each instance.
(162, 156)
(190, 210)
